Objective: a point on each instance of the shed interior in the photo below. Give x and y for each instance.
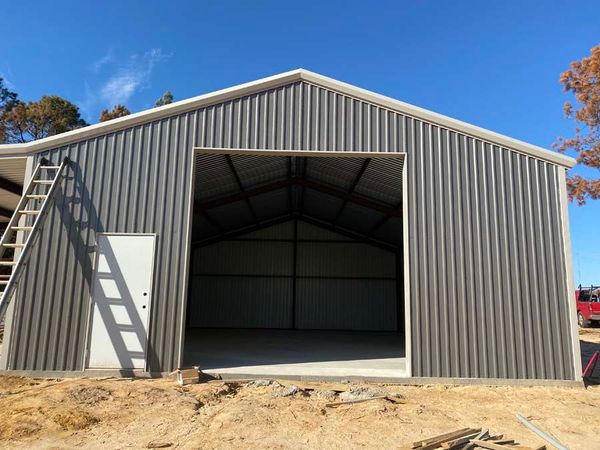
(297, 265)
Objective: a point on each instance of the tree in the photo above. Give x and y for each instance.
(117, 111)
(8, 100)
(166, 98)
(583, 81)
(36, 120)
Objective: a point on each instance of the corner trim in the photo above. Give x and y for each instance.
(568, 255)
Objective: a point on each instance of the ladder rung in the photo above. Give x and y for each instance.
(35, 211)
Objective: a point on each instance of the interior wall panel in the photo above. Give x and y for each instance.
(336, 283)
(240, 302)
(243, 284)
(486, 251)
(346, 304)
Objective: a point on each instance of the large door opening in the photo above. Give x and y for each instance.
(297, 265)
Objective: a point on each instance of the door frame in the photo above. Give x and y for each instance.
(90, 317)
(303, 153)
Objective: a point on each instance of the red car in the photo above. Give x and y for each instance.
(588, 305)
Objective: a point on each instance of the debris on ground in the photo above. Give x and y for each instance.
(159, 444)
(389, 398)
(363, 393)
(324, 394)
(351, 402)
(90, 395)
(185, 376)
(261, 382)
(286, 391)
(469, 439)
(545, 436)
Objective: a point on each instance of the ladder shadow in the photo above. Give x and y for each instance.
(107, 305)
(82, 233)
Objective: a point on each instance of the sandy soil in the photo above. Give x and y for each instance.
(110, 413)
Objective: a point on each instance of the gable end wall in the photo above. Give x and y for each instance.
(487, 256)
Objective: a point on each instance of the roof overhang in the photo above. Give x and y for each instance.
(275, 81)
(12, 174)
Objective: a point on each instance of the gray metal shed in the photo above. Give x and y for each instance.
(298, 202)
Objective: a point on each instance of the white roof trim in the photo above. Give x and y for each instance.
(274, 81)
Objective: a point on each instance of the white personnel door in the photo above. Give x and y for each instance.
(121, 297)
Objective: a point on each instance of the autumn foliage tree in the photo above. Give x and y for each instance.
(583, 81)
(117, 111)
(48, 116)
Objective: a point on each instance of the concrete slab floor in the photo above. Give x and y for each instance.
(296, 352)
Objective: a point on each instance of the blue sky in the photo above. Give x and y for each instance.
(493, 64)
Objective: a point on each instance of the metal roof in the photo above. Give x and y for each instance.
(356, 195)
(279, 80)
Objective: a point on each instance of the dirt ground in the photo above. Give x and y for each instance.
(111, 413)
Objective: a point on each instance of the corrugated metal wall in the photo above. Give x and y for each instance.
(487, 273)
(244, 283)
(133, 181)
(344, 284)
(252, 282)
(487, 258)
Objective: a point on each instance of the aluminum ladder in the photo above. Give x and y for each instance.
(41, 188)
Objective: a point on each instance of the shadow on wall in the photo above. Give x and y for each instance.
(128, 339)
(70, 319)
(113, 274)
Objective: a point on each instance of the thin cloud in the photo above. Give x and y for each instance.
(131, 77)
(120, 88)
(97, 65)
(113, 82)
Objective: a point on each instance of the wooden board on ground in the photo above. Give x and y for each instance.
(444, 437)
(460, 441)
(190, 375)
(492, 446)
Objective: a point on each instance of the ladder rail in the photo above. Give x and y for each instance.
(26, 249)
(16, 216)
